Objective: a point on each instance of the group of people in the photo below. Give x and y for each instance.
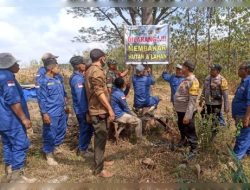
(99, 98)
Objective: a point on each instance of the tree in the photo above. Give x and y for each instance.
(117, 17)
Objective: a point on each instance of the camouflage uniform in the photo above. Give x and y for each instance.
(215, 90)
(185, 101)
(111, 76)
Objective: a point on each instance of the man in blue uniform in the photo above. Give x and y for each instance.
(241, 112)
(142, 81)
(15, 120)
(46, 58)
(173, 79)
(122, 112)
(80, 104)
(53, 109)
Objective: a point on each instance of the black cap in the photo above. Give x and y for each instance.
(76, 60)
(50, 62)
(216, 67)
(189, 65)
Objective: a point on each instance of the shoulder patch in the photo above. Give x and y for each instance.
(11, 83)
(79, 85)
(50, 83)
(194, 89)
(123, 97)
(224, 84)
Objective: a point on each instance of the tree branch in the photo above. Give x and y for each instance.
(119, 11)
(163, 17)
(110, 20)
(132, 13)
(163, 11)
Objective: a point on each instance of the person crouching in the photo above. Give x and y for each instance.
(122, 112)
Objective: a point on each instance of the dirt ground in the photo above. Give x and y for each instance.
(209, 166)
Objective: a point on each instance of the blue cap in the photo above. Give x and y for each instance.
(139, 68)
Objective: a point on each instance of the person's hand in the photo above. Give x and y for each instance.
(27, 123)
(128, 85)
(245, 121)
(46, 119)
(67, 111)
(111, 115)
(185, 121)
(200, 103)
(226, 110)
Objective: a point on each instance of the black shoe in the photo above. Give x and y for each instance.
(182, 143)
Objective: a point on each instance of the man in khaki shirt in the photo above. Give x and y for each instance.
(99, 108)
(185, 101)
(215, 92)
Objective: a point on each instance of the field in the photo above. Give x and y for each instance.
(211, 165)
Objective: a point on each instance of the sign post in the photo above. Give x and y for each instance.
(147, 44)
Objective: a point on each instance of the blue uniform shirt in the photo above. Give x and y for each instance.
(242, 98)
(10, 93)
(174, 82)
(142, 89)
(42, 72)
(119, 103)
(51, 96)
(78, 91)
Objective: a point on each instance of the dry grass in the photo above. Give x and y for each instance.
(127, 167)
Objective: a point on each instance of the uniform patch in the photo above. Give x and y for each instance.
(194, 89)
(79, 85)
(50, 83)
(224, 84)
(11, 83)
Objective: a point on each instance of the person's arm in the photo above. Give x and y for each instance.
(193, 96)
(126, 91)
(124, 73)
(123, 103)
(42, 102)
(12, 98)
(77, 85)
(247, 115)
(17, 109)
(202, 97)
(98, 82)
(109, 83)
(166, 76)
(224, 89)
(150, 80)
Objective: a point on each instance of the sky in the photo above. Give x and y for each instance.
(28, 31)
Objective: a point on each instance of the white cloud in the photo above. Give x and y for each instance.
(6, 12)
(28, 36)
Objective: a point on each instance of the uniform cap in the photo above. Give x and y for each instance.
(76, 60)
(48, 55)
(139, 68)
(178, 66)
(216, 67)
(7, 60)
(189, 65)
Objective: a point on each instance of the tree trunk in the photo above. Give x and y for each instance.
(229, 37)
(210, 13)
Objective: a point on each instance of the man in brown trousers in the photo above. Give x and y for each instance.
(99, 109)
